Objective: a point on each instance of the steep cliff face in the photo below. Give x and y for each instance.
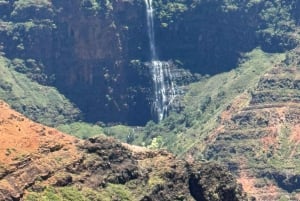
(209, 36)
(40, 163)
(84, 48)
(97, 74)
(93, 51)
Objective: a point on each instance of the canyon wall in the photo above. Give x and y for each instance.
(94, 51)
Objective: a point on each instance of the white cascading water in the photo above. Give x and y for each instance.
(164, 89)
(150, 25)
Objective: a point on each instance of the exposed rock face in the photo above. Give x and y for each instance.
(259, 140)
(34, 157)
(203, 186)
(30, 151)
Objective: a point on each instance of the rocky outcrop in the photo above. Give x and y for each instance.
(203, 184)
(33, 158)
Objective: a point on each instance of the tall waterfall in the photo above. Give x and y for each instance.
(164, 90)
(150, 24)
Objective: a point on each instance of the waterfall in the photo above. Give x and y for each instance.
(164, 89)
(150, 25)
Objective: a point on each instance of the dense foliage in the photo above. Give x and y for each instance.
(41, 103)
(65, 63)
(201, 107)
(89, 49)
(208, 36)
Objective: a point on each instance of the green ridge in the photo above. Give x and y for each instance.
(40, 103)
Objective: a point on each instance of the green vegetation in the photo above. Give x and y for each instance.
(118, 191)
(40, 103)
(285, 157)
(156, 143)
(22, 8)
(24, 4)
(70, 193)
(205, 29)
(168, 12)
(81, 129)
(154, 181)
(204, 102)
(95, 7)
(272, 20)
(27, 3)
(124, 133)
(27, 23)
(278, 23)
(57, 194)
(90, 5)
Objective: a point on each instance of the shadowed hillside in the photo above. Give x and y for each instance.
(94, 52)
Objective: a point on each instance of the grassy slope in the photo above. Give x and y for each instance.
(81, 129)
(203, 104)
(221, 89)
(85, 194)
(40, 103)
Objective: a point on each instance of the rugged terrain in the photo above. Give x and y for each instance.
(41, 163)
(258, 136)
(65, 63)
(95, 52)
(82, 48)
(247, 119)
